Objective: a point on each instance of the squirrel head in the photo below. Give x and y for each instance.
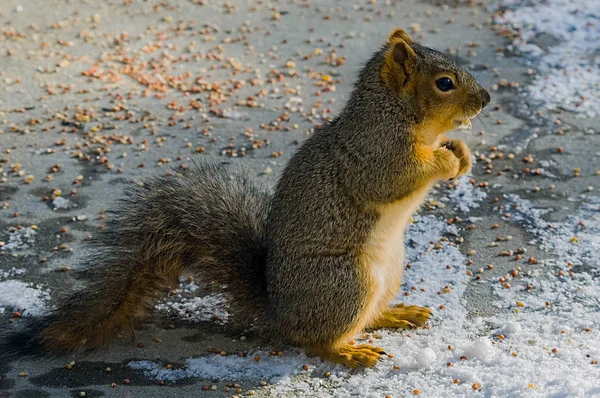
(445, 94)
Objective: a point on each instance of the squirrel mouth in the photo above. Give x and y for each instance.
(464, 124)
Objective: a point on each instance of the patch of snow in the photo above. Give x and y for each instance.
(24, 297)
(61, 203)
(185, 305)
(569, 77)
(14, 271)
(577, 239)
(512, 329)
(465, 196)
(19, 239)
(481, 349)
(273, 368)
(235, 115)
(426, 357)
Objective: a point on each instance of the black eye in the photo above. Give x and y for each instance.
(444, 84)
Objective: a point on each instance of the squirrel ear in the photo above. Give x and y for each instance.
(400, 60)
(400, 34)
(405, 56)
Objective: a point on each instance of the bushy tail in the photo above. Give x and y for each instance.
(197, 219)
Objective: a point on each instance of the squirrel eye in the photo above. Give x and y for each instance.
(444, 84)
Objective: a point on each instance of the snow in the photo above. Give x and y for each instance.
(24, 297)
(14, 271)
(19, 239)
(61, 203)
(235, 115)
(512, 329)
(577, 239)
(273, 368)
(481, 349)
(569, 77)
(425, 358)
(465, 196)
(190, 308)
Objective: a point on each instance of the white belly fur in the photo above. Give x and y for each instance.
(384, 254)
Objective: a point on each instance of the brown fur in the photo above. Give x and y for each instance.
(318, 261)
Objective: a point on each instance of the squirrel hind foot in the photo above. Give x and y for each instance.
(353, 356)
(402, 317)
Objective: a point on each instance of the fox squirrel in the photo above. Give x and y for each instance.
(319, 260)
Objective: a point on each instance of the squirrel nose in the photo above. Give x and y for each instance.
(485, 98)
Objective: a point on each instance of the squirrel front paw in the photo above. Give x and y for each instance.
(447, 164)
(462, 152)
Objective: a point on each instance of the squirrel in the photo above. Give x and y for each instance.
(318, 260)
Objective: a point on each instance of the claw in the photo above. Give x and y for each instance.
(352, 356)
(403, 317)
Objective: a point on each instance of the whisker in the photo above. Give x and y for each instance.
(457, 56)
(480, 119)
(488, 83)
(503, 101)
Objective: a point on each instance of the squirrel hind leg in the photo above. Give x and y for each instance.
(353, 356)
